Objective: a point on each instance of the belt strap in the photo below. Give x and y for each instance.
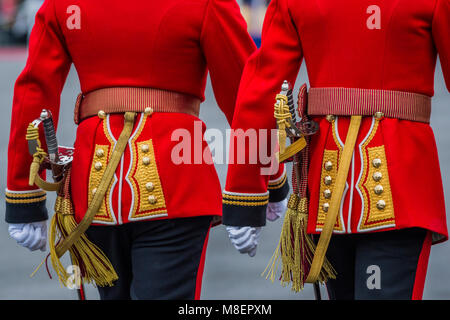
(102, 188)
(129, 99)
(367, 102)
(330, 220)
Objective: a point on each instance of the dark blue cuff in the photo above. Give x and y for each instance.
(278, 191)
(241, 210)
(25, 207)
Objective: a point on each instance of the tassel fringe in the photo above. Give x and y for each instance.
(93, 264)
(296, 249)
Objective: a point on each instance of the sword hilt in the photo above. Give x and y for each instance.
(50, 135)
(288, 91)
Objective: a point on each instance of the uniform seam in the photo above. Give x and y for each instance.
(204, 20)
(224, 40)
(60, 34)
(434, 12)
(258, 56)
(383, 62)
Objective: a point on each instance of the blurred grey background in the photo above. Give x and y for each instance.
(228, 274)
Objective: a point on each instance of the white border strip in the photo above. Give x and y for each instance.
(24, 192)
(360, 192)
(344, 195)
(113, 215)
(280, 178)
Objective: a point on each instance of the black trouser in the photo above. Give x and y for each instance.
(381, 265)
(161, 259)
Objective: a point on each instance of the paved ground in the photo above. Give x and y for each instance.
(228, 275)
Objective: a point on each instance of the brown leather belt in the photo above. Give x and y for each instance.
(368, 102)
(130, 99)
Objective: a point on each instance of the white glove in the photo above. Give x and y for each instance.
(244, 239)
(276, 210)
(30, 235)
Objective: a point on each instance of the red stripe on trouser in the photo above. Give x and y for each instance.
(81, 294)
(421, 271)
(201, 266)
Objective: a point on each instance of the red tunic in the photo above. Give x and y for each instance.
(390, 45)
(167, 45)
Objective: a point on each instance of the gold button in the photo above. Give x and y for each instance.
(148, 111)
(378, 115)
(152, 199)
(327, 180)
(326, 206)
(149, 186)
(328, 165)
(330, 118)
(101, 114)
(100, 153)
(376, 162)
(378, 189)
(377, 176)
(327, 193)
(94, 190)
(381, 204)
(145, 148)
(146, 160)
(98, 166)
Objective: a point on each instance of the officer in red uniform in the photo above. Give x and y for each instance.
(373, 163)
(152, 59)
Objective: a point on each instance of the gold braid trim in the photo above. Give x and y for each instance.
(102, 188)
(246, 204)
(250, 198)
(243, 200)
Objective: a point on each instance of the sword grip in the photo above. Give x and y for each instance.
(50, 137)
(290, 97)
(287, 90)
